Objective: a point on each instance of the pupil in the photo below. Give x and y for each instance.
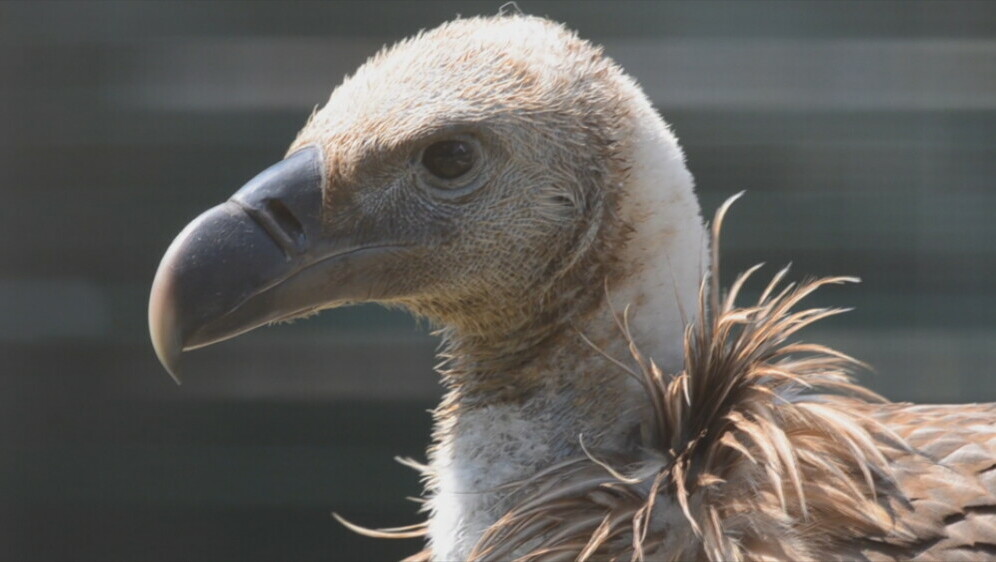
(449, 159)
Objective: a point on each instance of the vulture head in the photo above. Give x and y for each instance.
(509, 182)
(492, 175)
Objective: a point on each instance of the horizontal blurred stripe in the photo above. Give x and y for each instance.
(208, 75)
(947, 365)
(787, 74)
(71, 21)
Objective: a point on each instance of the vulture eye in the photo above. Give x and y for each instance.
(450, 160)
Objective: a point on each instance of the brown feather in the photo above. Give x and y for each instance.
(765, 449)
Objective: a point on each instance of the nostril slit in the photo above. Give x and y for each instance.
(286, 221)
(279, 222)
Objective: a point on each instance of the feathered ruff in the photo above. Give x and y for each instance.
(760, 449)
(755, 452)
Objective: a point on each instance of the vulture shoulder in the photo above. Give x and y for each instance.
(948, 476)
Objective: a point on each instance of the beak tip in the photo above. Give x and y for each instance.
(174, 375)
(164, 328)
(233, 252)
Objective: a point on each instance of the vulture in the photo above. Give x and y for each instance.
(605, 398)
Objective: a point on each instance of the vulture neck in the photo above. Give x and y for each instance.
(521, 401)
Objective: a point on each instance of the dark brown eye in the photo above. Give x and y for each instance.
(449, 159)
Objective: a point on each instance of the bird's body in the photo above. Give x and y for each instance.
(949, 478)
(504, 179)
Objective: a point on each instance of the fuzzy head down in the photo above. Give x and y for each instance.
(520, 232)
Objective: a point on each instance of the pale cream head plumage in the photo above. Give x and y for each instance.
(555, 120)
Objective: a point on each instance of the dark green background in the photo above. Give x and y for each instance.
(865, 134)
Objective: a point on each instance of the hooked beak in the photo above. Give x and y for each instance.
(260, 257)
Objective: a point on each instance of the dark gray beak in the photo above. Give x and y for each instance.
(262, 256)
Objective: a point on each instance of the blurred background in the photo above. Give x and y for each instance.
(864, 133)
